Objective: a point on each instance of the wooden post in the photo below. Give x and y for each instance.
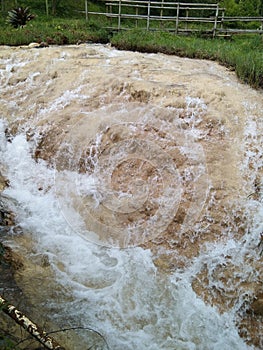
(187, 15)
(177, 18)
(86, 10)
(47, 12)
(111, 14)
(119, 16)
(161, 14)
(148, 14)
(222, 19)
(216, 17)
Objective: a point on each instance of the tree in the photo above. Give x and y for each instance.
(248, 7)
(231, 7)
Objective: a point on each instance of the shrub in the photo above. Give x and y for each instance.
(19, 16)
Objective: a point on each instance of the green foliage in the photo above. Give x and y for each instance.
(73, 8)
(54, 31)
(231, 7)
(19, 16)
(248, 8)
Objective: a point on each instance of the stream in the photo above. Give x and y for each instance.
(136, 183)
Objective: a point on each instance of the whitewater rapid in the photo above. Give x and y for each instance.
(183, 280)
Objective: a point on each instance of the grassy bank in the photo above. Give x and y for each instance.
(242, 54)
(54, 31)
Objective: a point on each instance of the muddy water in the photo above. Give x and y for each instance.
(136, 180)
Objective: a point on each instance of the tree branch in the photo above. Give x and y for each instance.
(29, 326)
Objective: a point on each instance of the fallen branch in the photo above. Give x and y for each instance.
(29, 326)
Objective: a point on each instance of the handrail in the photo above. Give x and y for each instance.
(179, 13)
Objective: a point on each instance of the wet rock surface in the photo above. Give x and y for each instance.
(257, 304)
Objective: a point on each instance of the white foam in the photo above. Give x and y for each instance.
(117, 292)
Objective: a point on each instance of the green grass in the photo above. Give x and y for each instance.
(54, 31)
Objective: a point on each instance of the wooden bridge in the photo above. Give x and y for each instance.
(174, 17)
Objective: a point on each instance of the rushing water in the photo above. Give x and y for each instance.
(137, 195)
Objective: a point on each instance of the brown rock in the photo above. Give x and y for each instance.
(43, 44)
(3, 182)
(257, 305)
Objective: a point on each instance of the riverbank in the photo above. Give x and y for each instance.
(243, 54)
